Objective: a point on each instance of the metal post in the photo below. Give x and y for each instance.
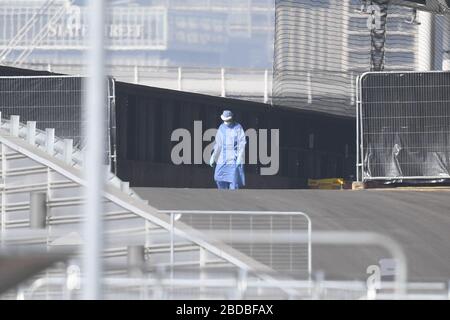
(309, 247)
(309, 88)
(446, 44)
(448, 290)
(125, 187)
(179, 78)
(94, 112)
(320, 277)
(3, 203)
(360, 128)
(446, 61)
(202, 258)
(135, 260)
(222, 72)
(352, 88)
(31, 132)
(357, 129)
(68, 151)
(241, 284)
(14, 126)
(50, 140)
(266, 86)
(136, 74)
(172, 222)
(38, 210)
(425, 41)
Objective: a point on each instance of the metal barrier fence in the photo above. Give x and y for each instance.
(403, 126)
(165, 287)
(289, 258)
(240, 83)
(200, 282)
(53, 102)
(40, 209)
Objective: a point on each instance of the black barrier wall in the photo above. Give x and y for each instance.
(312, 145)
(142, 119)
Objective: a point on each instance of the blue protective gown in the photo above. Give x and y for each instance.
(229, 154)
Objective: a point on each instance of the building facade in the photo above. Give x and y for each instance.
(159, 33)
(322, 46)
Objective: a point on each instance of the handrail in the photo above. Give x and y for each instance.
(339, 238)
(247, 212)
(126, 199)
(225, 284)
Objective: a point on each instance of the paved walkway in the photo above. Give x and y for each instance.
(418, 220)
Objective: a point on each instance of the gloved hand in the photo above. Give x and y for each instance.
(211, 162)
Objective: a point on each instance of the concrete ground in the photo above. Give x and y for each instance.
(419, 219)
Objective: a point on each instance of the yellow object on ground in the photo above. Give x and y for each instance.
(326, 184)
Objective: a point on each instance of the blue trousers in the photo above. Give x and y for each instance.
(227, 185)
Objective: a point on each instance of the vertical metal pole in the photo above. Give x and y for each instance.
(309, 88)
(446, 61)
(179, 79)
(125, 187)
(172, 221)
(50, 140)
(68, 151)
(31, 132)
(425, 41)
(136, 260)
(448, 290)
(136, 74)
(172, 254)
(361, 131)
(49, 197)
(352, 88)
(94, 173)
(3, 213)
(357, 128)
(446, 43)
(38, 210)
(202, 258)
(266, 86)
(14, 126)
(222, 72)
(309, 249)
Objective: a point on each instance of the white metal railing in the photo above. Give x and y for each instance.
(252, 221)
(241, 83)
(164, 286)
(336, 238)
(54, 177)
(240, 287)
(202, 283)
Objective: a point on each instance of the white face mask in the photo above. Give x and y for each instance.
(228, 122)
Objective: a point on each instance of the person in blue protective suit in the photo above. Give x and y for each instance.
(229, 153)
